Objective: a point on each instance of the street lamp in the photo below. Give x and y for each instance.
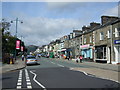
(16, 20)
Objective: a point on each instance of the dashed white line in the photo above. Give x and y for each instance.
(52, 62)
(60, 65)
(19, 83)
(19, 80)
(27, 79)
(18, 87)
(29, 86)
(36, 80)
(28, 83)
(95, 76)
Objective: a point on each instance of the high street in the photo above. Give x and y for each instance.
(51, 73)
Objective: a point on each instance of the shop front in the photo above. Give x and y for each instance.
(87, 51)
(66, 53)
(100, 53)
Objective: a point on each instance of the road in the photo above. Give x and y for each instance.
(53, 74)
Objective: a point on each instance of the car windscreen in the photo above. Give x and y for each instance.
(32, 57)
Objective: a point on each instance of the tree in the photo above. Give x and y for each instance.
(8, 41)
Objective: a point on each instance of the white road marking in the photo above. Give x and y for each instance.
(27, 79)
(19, 83)
(36, 80)
(29, 86)
(52, 62)
(60, 65)
(18, 87)
(95, 76)
(19, 80)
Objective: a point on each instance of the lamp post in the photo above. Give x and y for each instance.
(16, 20)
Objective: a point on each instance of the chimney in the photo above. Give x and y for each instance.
(77, 32)
(106, 19)
(93, 25)
(84, 28)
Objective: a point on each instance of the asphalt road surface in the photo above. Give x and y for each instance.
(53, 74)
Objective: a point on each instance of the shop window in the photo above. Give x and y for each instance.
(85, 40)
(101, 52)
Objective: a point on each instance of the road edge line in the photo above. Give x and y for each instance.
(95, 76)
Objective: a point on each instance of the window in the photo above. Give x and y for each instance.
(90, 39)
(101, 52)
(73, 34)
(117, 32)
(80, 40)
(85, 40)
(101, 36)
(109, 34)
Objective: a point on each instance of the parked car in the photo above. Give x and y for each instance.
(30, 59)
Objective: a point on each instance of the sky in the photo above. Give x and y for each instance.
(47, 21)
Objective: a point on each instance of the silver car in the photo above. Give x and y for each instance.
(31, 60)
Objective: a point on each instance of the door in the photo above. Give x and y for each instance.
(117, 54)
(109, 54)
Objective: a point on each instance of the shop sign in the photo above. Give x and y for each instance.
(63, 50)
(116, 41)
(85, 46)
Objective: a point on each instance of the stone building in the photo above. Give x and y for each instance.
(87, 47)
(115, 42)
(103, 42)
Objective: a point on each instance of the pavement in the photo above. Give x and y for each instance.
(19, 64)
(101, 70)
(105, 66)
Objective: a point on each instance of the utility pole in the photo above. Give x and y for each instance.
(16, 20)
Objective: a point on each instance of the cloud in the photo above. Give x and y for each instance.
(42, 30)
(65, 7)
(112, 11)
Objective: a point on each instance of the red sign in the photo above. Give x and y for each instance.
(18, 44)
(21, 48)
